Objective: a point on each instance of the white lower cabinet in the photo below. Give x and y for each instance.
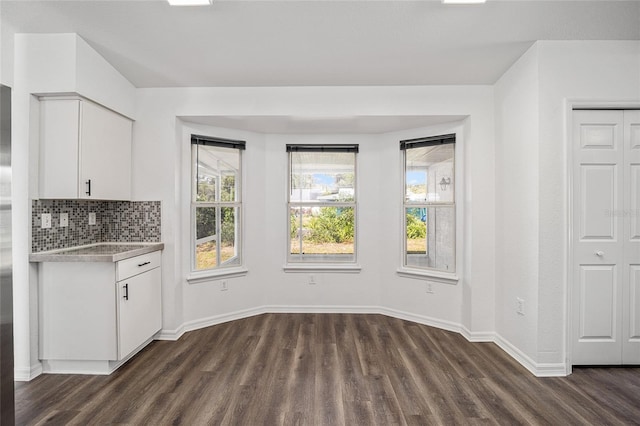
(138, 313)
(96, 315)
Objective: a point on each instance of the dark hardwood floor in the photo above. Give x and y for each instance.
(328, 369)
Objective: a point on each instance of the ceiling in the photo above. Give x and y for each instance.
(320, 43)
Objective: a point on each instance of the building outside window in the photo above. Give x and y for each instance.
(216, 205)
(322, 203)
(429, 209)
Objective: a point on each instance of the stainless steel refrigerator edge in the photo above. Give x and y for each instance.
(7, 405)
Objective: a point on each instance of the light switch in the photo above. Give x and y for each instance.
(64, 219)
(92, 218)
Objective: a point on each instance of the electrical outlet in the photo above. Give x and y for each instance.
(429, 287)
(223, 286)
(64, 219)
(519, 306)
(312, 280)
(46, 220)
(92, 218)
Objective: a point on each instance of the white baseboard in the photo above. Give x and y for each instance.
(421, 319)
(27, 374)
(219, 319)
(171, 335)
(321, 309)
(175, 334)
(539, 370)
(478, 336)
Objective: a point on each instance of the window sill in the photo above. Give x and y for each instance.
(441, 277)
(352, 268)
(199, 277)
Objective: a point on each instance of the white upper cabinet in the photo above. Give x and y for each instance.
(85, 151)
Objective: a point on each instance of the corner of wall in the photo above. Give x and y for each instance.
(517, 204)
(99, 81)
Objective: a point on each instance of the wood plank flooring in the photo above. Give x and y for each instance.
(328, 369)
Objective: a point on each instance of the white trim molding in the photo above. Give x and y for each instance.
(440, 277)
(537, 369)
(420, 319)
(22, 374)
(351, 268)
(170, 335)
(216, 274)
(321, 309)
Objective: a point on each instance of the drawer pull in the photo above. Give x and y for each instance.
(126, 292)
(145, 263)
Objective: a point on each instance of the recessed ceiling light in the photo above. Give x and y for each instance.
(463, 1)
(189, 2)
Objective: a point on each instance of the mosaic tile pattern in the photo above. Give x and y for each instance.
(116, 221)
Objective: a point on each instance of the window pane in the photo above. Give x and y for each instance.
(296, 230)
(325, 233)
(322, 176)
(229, 235)
(416, 230)
(228, 190)
(429, 174)
(217, 171)
(206, 253)
(430, 234)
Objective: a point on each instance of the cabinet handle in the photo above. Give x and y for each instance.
(145, 263)
(88, 188)
(126, 292)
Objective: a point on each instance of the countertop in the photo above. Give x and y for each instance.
(101, 252)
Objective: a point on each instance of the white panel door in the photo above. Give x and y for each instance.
(606, 237)
(631, 213)
(597, 237)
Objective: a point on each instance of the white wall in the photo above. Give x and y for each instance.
(342, 290)
(514, 217)
(6, 53)
(65, 63)
(161, 164)
(203, 301)
(516, 262)
(531, 182)
(578, 70)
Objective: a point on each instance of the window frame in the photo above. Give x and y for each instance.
(414, 271)
(319, 265)
(221, 269)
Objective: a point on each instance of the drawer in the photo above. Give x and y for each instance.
(137, 265)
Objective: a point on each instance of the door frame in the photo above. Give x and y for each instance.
(570, 105)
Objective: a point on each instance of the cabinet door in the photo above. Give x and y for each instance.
(105, 154)
(139, 310)
(77, 305)
(59, 130)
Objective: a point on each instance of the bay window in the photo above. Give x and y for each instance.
(322, 203)
(429, 207)
(216, 202)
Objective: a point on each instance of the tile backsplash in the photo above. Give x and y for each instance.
(116, 221)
